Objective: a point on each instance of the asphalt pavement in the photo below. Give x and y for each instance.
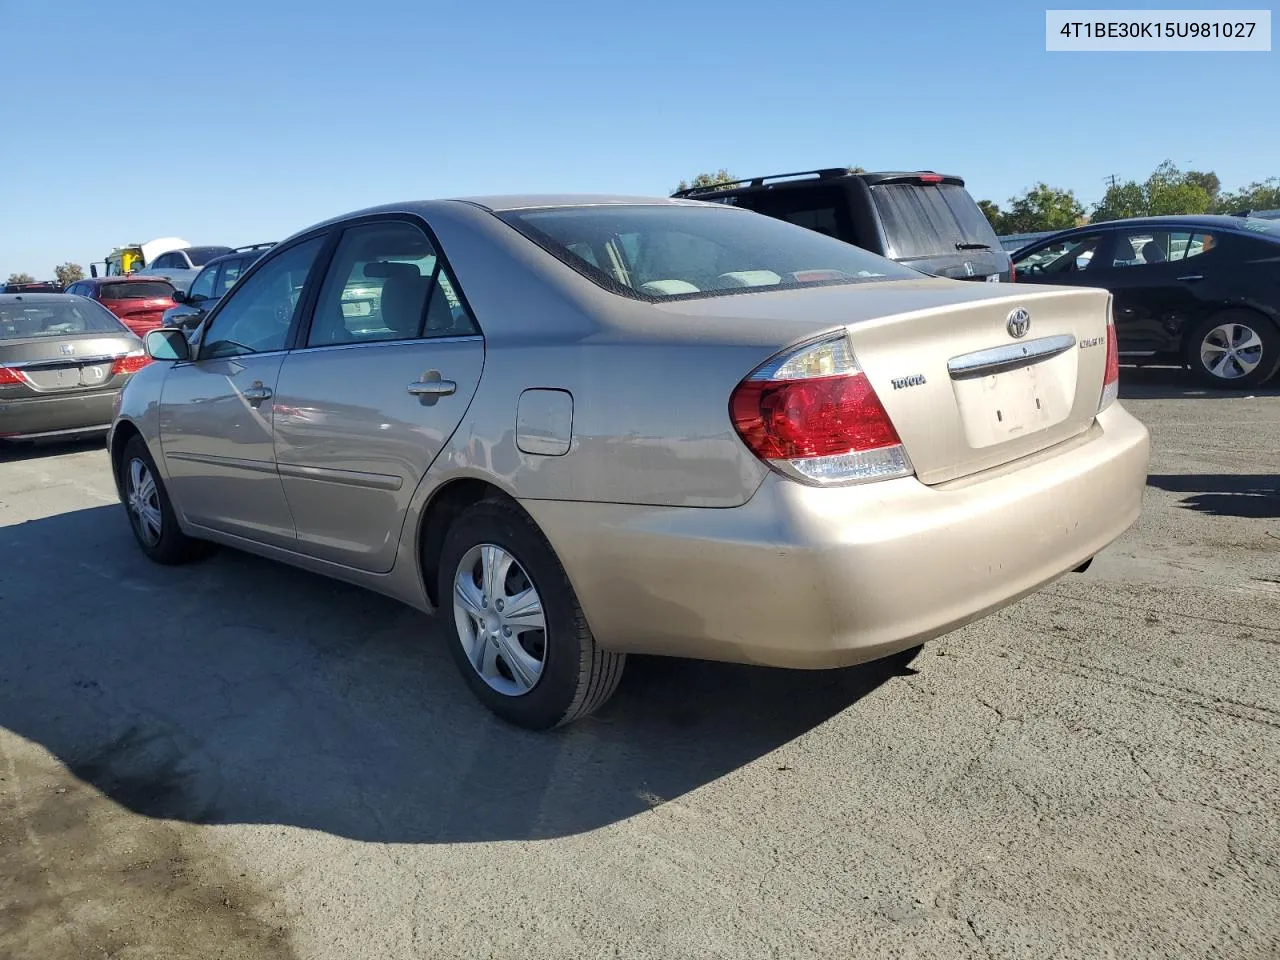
(238, 759)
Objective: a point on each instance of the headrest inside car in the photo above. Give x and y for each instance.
(389, 268)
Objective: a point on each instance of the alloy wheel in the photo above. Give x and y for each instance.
(1231, 350)
(143, 498)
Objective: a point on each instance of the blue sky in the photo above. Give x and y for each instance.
(249, 120)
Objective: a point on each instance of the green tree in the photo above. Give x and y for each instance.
(1042, 208)
(1259, 195)
(708, 179)
(1208, 181)
(1121, 200)
(69, 273)
(1166, 192)
(21, 278)
(1170, 192)
(993, 214)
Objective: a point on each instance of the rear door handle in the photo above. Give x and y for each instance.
(1191, 277)
(257, 393)
(431, 387)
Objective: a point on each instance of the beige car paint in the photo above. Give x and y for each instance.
(675, 537)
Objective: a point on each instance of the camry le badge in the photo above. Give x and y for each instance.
(1019, 323)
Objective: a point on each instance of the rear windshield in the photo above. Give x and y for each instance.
(659, 252)
(137, 290)
(931, 220)
(55, 318)
(199, 256)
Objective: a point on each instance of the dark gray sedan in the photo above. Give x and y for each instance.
(63, 362)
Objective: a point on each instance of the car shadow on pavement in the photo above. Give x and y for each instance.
(1253, 496)
(1176, 383)
(12, 451)
(242, 691)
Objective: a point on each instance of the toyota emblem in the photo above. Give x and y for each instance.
(1019, 323)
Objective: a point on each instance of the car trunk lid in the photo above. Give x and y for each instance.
(66, 364)
(971, 386)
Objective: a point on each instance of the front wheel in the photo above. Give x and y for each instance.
(151, 515)
(516, 630)
(1235, 349)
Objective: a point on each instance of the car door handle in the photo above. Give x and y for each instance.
(433, 388)
(1192, 277)
(257, 393)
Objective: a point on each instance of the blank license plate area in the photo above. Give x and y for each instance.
(1006, 406)
(54, 378)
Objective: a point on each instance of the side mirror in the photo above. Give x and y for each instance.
(167, 343)
(180, 297)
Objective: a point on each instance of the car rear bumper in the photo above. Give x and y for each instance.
(813, 578)
(34, 417)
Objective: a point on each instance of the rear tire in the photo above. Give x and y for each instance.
(151, 515)
(1242, 345)
(495, 555)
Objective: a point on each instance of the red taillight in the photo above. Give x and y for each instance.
(1111, 378)
(9, 377)
(819, 417)
(813, 415)
(130, 363)
(930, 178)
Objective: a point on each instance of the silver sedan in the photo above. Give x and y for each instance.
(584, 427)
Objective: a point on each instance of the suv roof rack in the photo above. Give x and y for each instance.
(252, 246)
(826, 173)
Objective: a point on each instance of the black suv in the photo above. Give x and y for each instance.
(923, 219)
(216, 278)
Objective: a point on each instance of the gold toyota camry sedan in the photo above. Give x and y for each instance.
(587, 426)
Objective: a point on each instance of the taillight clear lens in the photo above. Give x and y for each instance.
(813, 415)
(9, 377)
(129, 363)
(1111, 379)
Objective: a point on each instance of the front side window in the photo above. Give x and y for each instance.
(202, 286)
(257, 319)
(1072, 255)
(386, 283)
(663, 252)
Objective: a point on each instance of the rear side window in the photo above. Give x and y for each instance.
(137, 290)
(926, 220)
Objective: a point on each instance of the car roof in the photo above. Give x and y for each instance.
(120, 278)
(35, 297)
(500, 203)
(1220, 220)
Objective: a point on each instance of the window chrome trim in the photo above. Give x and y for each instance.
(984, 363)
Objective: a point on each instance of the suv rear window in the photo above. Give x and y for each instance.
(925, 220)
(137, 290)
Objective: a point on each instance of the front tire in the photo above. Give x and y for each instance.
(1234, 349)
(151, 515)
(515, 628)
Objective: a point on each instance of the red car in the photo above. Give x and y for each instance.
(139, 302)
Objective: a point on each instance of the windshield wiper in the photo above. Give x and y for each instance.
(973, 246)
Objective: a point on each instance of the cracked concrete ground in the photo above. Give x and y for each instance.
(241, 760)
